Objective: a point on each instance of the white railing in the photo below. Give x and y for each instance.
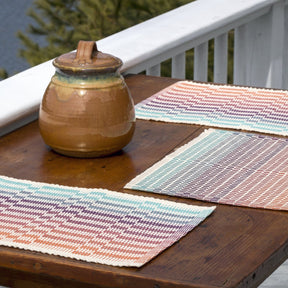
(260, 51)
(259, 47)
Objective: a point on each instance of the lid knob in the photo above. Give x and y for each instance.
(87, 59)
(85, 52)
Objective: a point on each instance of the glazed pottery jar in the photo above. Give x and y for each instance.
(87, 110)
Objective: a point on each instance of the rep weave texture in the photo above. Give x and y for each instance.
(227, 167)
(237, 107)
(93, 225)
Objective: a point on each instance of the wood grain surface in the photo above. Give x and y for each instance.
(234, 247)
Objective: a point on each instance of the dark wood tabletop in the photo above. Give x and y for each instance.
(234, 247)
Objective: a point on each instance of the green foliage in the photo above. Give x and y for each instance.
(3, 74)
(64, 22)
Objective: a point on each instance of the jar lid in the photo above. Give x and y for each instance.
(87, 58)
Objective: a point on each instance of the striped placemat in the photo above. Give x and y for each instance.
(225, 167)
(93, 225)
(247, 108)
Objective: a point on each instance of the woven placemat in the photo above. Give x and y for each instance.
(93, 225)
(225, 167)
(237, 107)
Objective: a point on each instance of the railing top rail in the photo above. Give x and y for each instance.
(196, 21)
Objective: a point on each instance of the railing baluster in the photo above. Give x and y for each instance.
(239, 47)
(178, 66)
(220, 58)
(154, 70)
(275, 75)
(201, 62)
(239, 56)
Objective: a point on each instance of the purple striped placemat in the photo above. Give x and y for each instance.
(237, 107)
(225, 167)
(93, 225)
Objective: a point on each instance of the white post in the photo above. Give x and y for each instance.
(275, 74)
(154, 70)
(240, 56)
(179, 66)
(201, 62)
(220, 58)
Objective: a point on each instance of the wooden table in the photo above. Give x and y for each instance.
(235, 247)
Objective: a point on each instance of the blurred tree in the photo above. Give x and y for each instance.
(64, 22)
(3, 74)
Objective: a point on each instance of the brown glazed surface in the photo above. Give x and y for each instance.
(86, 114)
(83, 122)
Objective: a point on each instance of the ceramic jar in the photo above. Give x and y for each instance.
(87, 110)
